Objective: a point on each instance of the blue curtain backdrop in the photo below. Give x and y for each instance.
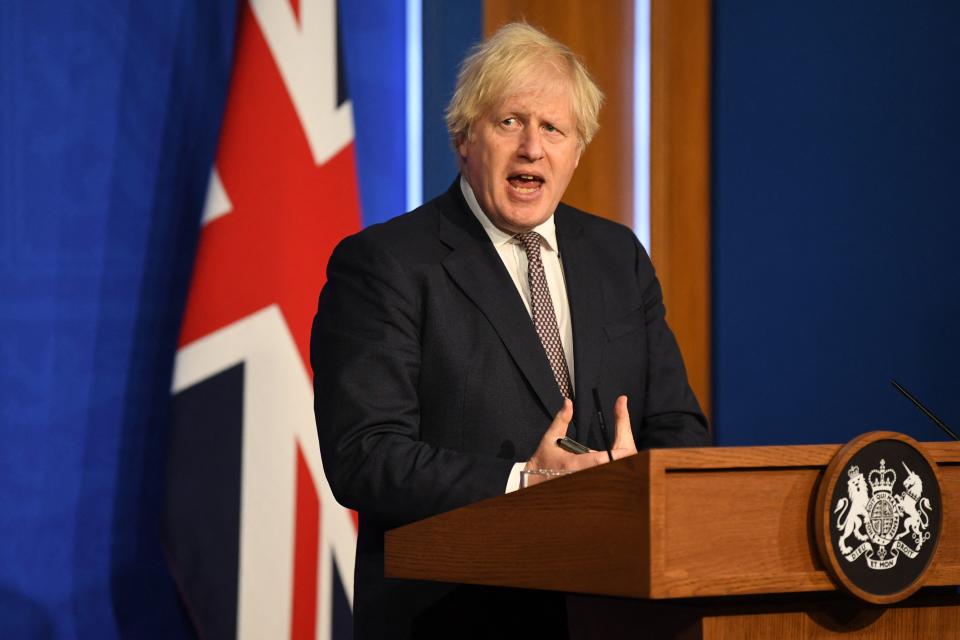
(110, 112)
(109, 119)
(836, 151)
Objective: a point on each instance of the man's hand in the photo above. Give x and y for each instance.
(549, 455)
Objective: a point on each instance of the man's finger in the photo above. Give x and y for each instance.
(624, 432)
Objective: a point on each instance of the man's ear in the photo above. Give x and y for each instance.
(462, 140)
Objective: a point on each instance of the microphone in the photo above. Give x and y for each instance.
(937, 421)
(603, 423)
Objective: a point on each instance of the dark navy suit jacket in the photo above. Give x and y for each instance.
(431, 383)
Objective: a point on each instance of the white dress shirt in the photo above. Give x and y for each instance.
(514, 258)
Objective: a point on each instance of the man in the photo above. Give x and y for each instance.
(455, 344)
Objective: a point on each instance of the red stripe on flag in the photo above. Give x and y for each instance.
(303, 620)
(287, 215)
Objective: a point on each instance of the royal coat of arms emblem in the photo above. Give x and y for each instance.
(879, 516)
(886, 524)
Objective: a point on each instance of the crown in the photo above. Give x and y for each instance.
(882, 479)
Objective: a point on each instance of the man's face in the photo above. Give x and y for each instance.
(519, 158)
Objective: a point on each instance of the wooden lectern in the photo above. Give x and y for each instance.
(699, 543)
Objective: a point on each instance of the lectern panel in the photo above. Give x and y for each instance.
(727, 526)
(946, 567)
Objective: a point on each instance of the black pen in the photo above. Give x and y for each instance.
(571, 445)
(603, 424)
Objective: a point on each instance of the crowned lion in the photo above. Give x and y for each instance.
(850, 522)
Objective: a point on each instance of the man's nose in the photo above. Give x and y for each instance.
(531, 147)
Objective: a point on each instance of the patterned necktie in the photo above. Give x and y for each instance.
(544, 318)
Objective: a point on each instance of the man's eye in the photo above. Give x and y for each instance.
(549, 128)
(508, 122)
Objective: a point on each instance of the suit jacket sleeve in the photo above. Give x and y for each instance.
(672, 416)
(366, 356)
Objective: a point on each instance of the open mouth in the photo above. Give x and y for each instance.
(525, 183)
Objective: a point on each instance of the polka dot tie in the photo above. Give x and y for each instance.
(544, 317)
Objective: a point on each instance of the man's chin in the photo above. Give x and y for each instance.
(526, 221)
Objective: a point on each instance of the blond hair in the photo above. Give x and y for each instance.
(494, 68)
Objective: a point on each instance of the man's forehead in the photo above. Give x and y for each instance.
(551, 94)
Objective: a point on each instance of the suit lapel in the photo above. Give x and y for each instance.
(473, 263)
(586, 303)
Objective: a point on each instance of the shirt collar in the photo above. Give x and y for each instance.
(547, 229)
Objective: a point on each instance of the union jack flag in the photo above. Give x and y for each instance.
(255, 540)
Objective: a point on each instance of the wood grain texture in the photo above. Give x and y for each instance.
(946, 565)
(740, 520)
(928, 614)
(602, 184)
(680, 176)
(735, 520)
(889, 624)
(747, 532)
(587, 532)
(670, 523)
(744, 457)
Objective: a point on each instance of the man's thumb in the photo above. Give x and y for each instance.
(558, 428)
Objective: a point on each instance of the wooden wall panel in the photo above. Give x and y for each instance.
(602, 34)
(603, 38)
(680, 176)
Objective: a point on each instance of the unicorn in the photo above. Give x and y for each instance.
(911, 504)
